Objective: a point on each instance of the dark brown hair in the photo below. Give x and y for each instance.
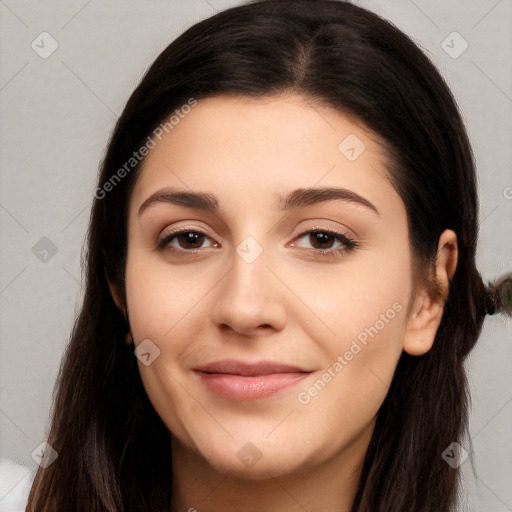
(114, 450)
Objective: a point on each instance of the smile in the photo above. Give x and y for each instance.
(244, 381)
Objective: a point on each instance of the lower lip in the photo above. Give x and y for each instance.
(239, 387)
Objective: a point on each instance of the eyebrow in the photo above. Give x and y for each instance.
(299, 198)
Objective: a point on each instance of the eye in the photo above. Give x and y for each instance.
(185, 240)
(324, 242)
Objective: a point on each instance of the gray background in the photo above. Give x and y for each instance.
(57, 114)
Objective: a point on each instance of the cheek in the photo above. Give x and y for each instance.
(159, 298)
(364, 298)
(161, 308)
(345, 398)
(364, 307)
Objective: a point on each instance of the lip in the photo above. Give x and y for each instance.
(239, 380)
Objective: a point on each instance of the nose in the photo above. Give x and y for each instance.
(250, 298)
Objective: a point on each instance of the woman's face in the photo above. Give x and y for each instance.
(268, 331)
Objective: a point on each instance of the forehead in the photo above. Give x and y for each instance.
(241, 148)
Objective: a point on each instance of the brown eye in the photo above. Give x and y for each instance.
(321, 239)
(324, 243)
(186, 241)
(190, 239)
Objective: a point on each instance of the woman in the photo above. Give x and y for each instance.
(284, 235)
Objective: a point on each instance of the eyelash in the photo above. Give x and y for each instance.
(348, 243)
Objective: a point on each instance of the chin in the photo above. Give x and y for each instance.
(255, 461)
(261, 470)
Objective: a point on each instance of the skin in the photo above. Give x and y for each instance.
(288, 305)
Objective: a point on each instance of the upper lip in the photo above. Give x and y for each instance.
(233, 367)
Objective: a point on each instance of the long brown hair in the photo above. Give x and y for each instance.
(113, 449)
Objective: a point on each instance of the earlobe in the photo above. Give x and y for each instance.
(422, 325)
(427, 310)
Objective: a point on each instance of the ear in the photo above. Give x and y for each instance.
(427, 311)
(115, 295)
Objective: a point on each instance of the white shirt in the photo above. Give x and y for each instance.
(15, 483)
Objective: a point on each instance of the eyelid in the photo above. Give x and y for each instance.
(185, 228)
(326, 229)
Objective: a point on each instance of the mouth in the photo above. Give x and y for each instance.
(239, 380)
